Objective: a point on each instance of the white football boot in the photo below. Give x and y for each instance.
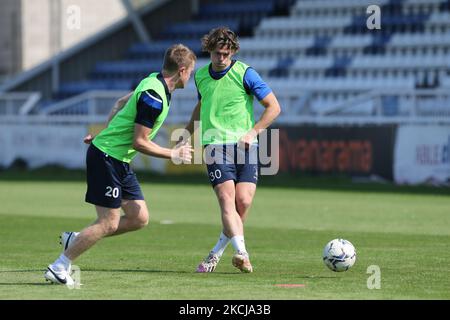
(58, 275)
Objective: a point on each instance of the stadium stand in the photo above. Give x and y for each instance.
(314, 54)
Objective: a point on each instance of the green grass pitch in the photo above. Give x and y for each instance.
(404, 231)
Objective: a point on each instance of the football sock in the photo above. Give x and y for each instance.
(238, 244)
(62, 261)
(221, 245)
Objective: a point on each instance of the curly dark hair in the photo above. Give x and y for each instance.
(222, 37)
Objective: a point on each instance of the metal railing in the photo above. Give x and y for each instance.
(90, 103)
(380, 106)
(18, 103)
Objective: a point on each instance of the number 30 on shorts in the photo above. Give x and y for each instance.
(112, 192)
(216, 174)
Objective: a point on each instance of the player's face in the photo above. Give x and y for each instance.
(185, 75)
(221, 58)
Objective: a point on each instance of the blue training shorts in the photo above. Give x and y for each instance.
(109, 180)
(231, 162)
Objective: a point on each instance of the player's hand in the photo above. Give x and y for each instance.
(247, 140)
(182, 142)
(182, 153)
(88, 139)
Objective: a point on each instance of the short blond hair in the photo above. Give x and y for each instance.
(178, 56)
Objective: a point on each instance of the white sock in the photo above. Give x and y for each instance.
(221, 244)
(238, 244)
(72, 239)
(62, 262)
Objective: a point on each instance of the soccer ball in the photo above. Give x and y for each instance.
(339, 255)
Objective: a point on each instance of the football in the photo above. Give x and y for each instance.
(339, 255)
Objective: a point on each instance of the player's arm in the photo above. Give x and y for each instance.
(149, 108)
(271, 112)
(142, 144)
(120, 103)
(256, 86)
(194, 117)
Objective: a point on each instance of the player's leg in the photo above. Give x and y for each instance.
(104, 191)
(244, 197)
(231, 222)
(135, 216)
(106, 224)
(233, 227)
(246, 178)
(133, 204)
(219, 172)
(245, 192)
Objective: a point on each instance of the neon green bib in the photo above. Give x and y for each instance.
(117, 139)
(226, 112)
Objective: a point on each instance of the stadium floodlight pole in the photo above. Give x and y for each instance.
(137, 22)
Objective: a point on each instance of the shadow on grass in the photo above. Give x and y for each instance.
(22, 270)
(141, 271)
(110, 270)
(340, 183)
(151, 271)
(25, 284)
(42, 283)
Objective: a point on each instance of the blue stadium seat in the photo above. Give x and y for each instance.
(196, 30)
(126, 68)
(68, 89)
(321, 45)
(232, 9)
(157, 49)
(140, 59)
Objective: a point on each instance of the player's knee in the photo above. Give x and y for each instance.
(243, 214)
(225, 197)
(142, 220)
(139, 221)
(243, 202)
(109, 227)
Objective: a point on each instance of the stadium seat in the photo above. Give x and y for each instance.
(320, 46)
